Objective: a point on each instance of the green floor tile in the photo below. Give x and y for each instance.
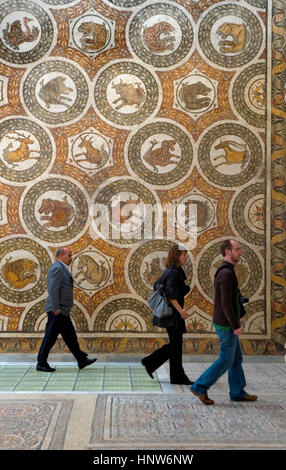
(89, 381)
(58, 389)
(61, 378)
(116, 379)
(114, 388)
(9, 373)
(26, 388)
(67, 378)
(34, 379)
(87, 389)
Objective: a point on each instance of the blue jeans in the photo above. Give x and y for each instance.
(230, 359)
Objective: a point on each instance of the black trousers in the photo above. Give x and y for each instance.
(172, 351)
(60, 324)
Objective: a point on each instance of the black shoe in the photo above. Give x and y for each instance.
(87, 362)
(147, 369)
(183, 382)
(46, 368)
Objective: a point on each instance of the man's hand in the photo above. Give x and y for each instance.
(57, 312)
(239, 331)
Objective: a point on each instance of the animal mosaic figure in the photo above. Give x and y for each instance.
(54, 92)
(19, 273)
(202, 213)
(238, 34)
(232, 156)
(158, 38)
(161, 156)
(15, 34)
(120, 214)
(94, 35)
(22, 152)
(258, 95)
(91, 271)
(130, 94)
(92, 155)
(194, 95)
(153, 271)
(56, 213)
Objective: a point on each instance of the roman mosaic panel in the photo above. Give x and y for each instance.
(109, 107)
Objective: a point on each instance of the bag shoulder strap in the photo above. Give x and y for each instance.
(161, 281)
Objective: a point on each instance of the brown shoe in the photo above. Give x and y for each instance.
(204, 398)
(247, 397)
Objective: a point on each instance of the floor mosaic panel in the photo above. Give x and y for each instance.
(182, 422)
(34, 425)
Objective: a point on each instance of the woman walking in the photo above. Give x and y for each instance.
(173, 279)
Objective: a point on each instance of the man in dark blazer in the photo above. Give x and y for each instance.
(58, 306)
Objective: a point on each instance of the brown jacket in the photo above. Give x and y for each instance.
(225, 299)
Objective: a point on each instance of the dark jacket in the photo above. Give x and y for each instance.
(60, 289)
(175, 289)
(225, 297)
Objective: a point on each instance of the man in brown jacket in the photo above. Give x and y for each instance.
(226, 320)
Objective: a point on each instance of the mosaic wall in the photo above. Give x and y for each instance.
(124, 103)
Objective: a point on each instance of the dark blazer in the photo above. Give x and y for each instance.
(176, 289)
(225, 298)
(60, 289)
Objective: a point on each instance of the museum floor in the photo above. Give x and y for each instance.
(114, 404)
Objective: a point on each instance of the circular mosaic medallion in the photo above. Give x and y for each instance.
(248, 270)
(91, 33)
(206, 210)
(90, 150)
(91, 270)
(249, 213)
(25, 150)
(147, 264)
(124, 315)
(161, 34)
(160, 153)
(230, 155)
(249, 94)
(55, 91)
(196, 93)
(230, 35)
(125, 212)
(126, 93)
(26, 32)
(55, 210)
(23, 269)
